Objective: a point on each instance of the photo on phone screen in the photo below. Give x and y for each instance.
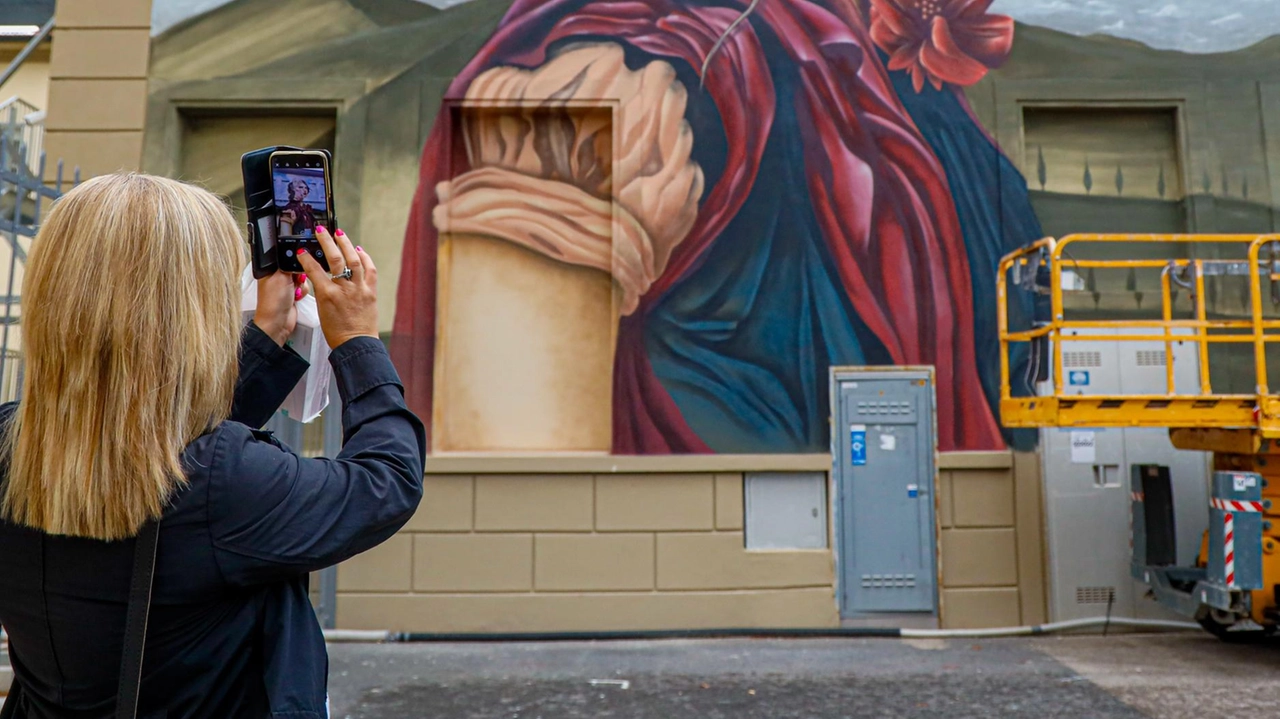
(300, 192)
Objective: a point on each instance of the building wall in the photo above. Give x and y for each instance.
(1207, 161)
(229, 67)
(992, 549)
(1214, 149)
(551, 574)
(496, 549)
(31, 81)
(511, 553)
(98, 85)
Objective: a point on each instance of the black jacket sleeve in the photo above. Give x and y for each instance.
(268, 373)
(273, 514)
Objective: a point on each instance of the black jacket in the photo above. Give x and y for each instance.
(232, 632)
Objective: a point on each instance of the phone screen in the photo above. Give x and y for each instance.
(300, 191)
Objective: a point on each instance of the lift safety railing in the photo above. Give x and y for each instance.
(1205, 409)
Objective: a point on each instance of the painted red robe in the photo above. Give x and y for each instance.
(880, 196)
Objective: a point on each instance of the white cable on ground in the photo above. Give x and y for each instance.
(1050, 628)
(349, 636)
(355, 635)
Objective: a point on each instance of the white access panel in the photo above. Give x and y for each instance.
(785, 510)
(1087, 489)
(1087, 519)
(1088, 527)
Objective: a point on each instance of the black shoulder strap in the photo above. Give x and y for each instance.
(135, 628)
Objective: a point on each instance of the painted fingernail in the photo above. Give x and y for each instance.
(297, 294)
(359, 248)
(302, 250)
(302, 278)
(320, 228)
(340, 233)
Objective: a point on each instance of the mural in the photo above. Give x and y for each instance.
(651, 227)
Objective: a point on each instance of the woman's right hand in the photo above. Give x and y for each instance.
(348, 307)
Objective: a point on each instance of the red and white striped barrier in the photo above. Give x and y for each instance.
(1229, 547)
(1231, 505)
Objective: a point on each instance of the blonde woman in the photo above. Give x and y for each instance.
(135, 408)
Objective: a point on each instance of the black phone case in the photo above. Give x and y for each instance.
(312, 245)
(255, 167)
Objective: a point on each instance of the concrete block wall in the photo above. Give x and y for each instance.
(594, 550)
(548, 552)
(989, 514)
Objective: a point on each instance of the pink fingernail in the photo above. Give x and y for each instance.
(359, 248)
(340, 233)
(302, 278)
(297, 294)
(302, 251)
(320, 228)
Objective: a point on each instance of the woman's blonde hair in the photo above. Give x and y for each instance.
(131, 328)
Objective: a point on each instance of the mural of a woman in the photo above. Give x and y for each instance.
(850, 210)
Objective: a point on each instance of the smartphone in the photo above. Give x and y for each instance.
(260, 204)
(302, 199)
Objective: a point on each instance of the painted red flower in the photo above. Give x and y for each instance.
(945, 41)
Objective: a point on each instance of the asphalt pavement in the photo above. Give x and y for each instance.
(1165, 676)
(1183, 675)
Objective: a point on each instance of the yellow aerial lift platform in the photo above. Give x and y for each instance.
(1237, 573)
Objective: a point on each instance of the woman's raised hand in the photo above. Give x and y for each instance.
(348, 305)
(277, 313)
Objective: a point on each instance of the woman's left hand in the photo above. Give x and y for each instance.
(277, 312)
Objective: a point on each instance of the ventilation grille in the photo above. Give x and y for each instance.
(888, 581)
(1095, 595)
(884, 408)
(1150, 358)
(1072, 360)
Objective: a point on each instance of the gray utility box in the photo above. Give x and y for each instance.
(884, 445)
(1087, 475)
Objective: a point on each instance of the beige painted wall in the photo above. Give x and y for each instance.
(98, 85)
(31, 81)
(519, 553)
(626, 543)
(992, 556)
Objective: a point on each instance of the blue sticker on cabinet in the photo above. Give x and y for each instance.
(858, 444)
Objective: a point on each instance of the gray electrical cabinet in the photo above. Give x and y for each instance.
(1086, 478)
(884, 444)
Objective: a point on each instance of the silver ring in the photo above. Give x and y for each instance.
(343, 275)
